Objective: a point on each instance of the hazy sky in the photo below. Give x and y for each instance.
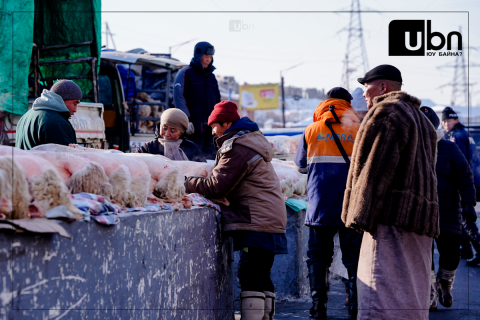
(281, 34)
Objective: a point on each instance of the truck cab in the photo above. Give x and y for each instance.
(133, 103)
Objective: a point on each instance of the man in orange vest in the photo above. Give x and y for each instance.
(324, 152)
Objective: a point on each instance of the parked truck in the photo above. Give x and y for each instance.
(107, 116)
(139, 93)
(66, 38)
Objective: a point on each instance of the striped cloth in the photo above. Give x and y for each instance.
(148, 208)
(201, 201)
(96, 207)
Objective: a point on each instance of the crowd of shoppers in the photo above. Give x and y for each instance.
(380, 173)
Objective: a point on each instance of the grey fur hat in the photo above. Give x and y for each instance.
(67, 89)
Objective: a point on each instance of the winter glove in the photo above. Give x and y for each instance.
(469, 213)
(190, 130)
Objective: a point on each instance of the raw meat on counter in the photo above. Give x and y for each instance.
(167, 179)
(14, 195)
(129, 177)
(45, 185)
(284, 144)
(79, 174)
(140, 176)
(195, 169)
(117, 173)
(291, 181)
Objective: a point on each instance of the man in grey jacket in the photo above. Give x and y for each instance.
(47, 121)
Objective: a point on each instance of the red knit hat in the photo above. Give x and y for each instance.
(224, 111)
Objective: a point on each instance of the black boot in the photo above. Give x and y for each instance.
(345, 282)
(318, 275)
(475, 261)
(465, 246)
(474, 236)
(352, 288)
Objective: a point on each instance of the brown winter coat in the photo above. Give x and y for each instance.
(244, 175)
(392, 177)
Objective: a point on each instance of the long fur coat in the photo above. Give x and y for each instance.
(392, 177)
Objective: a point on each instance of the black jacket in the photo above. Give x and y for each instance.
(454, 184)
(196, 92)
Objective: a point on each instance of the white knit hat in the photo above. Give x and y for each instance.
(175, 118)
(359, 103)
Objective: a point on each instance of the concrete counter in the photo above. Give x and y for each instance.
(162, 265)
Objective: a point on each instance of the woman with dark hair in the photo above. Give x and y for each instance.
(170, 140)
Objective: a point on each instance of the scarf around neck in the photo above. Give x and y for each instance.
(172, 149)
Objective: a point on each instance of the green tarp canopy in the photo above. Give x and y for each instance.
(45, 23)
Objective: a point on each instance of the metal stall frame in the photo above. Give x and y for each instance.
(168, 63)
(90, 60)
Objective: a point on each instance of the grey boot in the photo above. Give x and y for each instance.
(445, 281)
(252, 305)
(433, 292)
(269, 305)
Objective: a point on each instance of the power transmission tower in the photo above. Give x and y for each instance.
(460, 86)
(109, 34)
(356, 61)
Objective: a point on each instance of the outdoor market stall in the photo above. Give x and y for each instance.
(159, 251)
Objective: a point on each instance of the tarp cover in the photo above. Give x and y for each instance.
(16, 37)
(59, 22)
(45, 23)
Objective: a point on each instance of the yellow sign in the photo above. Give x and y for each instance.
(259, 96)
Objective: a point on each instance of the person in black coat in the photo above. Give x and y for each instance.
(196, 92)
(170, 139)
(456, 198)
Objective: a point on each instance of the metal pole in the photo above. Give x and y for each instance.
(106, 32)
(167, 91)
(283, 101)
(94, 79)
(35, 70)
(229, 93)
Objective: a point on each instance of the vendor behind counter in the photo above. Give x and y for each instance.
(170, 140)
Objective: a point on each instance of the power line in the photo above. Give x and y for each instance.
(460, 86)
(109, 34)
(356, 54)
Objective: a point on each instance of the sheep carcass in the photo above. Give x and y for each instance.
(12, 151)
(79, 174)
(167, 179)
(139, 173)
(284, 144)
(14, 195)
(291, 181)
(46, 186)
(117, 173)
(76, 146)
(189, 168)
(195, 169)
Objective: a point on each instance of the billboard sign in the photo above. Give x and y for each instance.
(259, 97)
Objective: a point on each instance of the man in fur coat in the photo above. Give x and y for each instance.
(391, 195)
